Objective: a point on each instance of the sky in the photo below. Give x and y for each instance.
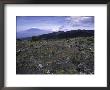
(55, 23)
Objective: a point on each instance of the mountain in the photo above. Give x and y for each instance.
(31, 32)
(67, 34)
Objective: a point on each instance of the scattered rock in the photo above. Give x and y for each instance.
(40, 65)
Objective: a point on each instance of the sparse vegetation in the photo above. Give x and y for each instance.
(55, 56)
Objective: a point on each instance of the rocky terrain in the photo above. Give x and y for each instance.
(55, 56)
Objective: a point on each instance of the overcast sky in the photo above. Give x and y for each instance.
(54, 23)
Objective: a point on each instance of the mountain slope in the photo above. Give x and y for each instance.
(67, 34)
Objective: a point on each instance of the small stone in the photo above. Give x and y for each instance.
(40, 65)
(48, 71)
(90, 48)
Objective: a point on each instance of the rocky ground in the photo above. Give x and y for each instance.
(55, 56)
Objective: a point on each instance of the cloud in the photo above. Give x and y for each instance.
(80, 20)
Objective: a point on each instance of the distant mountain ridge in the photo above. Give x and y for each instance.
(31, 32)
(67, 34)
(62, 34)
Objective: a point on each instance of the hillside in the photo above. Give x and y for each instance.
(52, 54)
(67, 34)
